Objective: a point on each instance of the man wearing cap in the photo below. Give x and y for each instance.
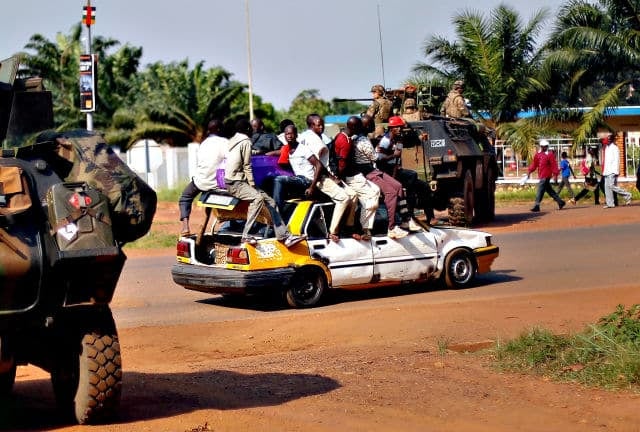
(454, 105)
(545, 162)
(380, 108)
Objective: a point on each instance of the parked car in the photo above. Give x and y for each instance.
(217, 262)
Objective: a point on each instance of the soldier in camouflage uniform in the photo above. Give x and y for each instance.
(380, 108)
(410, 111)
(454, 105)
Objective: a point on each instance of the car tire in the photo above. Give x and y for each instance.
(306, 288)
(459, 269)
(87, 375)
(461, 207)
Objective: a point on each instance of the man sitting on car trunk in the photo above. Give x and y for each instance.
(238, 178)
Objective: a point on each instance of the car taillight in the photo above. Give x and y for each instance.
(237, 255)
(183, 250)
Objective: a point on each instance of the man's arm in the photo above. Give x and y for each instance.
(318, 168)
(246, 161)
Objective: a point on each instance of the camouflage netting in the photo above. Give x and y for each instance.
(84, 156)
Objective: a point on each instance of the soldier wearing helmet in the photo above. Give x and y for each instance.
(380, 108)
(410, 110)
(455, 105)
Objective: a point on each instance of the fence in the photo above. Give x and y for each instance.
(512, 166)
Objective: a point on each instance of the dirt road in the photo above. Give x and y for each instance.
(410, 366)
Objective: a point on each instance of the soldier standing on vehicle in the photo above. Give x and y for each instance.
(380, 108)
(240, 184)
(455, 105)
(410, 112)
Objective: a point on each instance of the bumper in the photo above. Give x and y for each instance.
(485, 257)
(219, 280)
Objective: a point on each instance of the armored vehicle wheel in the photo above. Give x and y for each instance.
(306, 288)
(485, 201)
(459, 268)
(6, 381)
(461, 208)
(87, 375)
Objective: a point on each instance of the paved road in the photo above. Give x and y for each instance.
(529, 262)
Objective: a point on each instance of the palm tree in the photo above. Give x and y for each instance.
(173, 103)
(597, 45)
(497, 57)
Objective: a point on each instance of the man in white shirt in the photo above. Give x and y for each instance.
(211, 153)
(610, 172)
(342, 195)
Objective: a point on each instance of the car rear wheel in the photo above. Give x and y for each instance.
(459, 268)
(306, 288)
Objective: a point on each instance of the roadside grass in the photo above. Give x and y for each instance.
(160, 236)
(605, 354)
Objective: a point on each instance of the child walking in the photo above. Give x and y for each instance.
(566, 171)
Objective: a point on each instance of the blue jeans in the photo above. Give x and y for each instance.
(286, 187)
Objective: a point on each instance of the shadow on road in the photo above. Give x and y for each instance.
(148, 396)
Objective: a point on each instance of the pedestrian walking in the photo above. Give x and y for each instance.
(545, 162)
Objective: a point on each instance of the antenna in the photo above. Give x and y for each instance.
(250, 78)
(384, 83)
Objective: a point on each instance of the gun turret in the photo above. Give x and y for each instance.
(25, 106)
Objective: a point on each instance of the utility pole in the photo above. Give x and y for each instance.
(249, 74)
(87, 69)
(384, 83)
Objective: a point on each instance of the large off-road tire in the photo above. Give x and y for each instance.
(87, 375)
(306, 288)
(461, 207)
(7, 379)
(485, 201)
(459, 269)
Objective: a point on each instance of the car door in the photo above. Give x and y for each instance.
(412, 257)
(350, 261)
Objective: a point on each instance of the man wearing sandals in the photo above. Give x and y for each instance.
(239, 180)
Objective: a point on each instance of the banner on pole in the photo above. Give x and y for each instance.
(88, 87)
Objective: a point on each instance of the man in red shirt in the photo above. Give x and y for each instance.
(368, 193)
(545, 162)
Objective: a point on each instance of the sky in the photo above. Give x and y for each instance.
(330, 45)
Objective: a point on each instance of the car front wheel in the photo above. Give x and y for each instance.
(459, 268)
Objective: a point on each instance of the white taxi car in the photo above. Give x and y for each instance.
(216, 262)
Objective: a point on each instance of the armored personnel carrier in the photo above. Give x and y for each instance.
(61, 237)
(460, 167)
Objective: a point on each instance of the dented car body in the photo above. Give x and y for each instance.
(216, 262)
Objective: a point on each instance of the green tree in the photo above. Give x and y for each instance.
(173, 103)
(305, 103)
(596, 46)
(496, 56)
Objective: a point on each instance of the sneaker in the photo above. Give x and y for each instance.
(293, 240)
(411, 225)
(535, 209)
(366, 235)
(249, 240)
(572, 201)
(627, 201)
(608, 206)
(561, 204)
(397, 233)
